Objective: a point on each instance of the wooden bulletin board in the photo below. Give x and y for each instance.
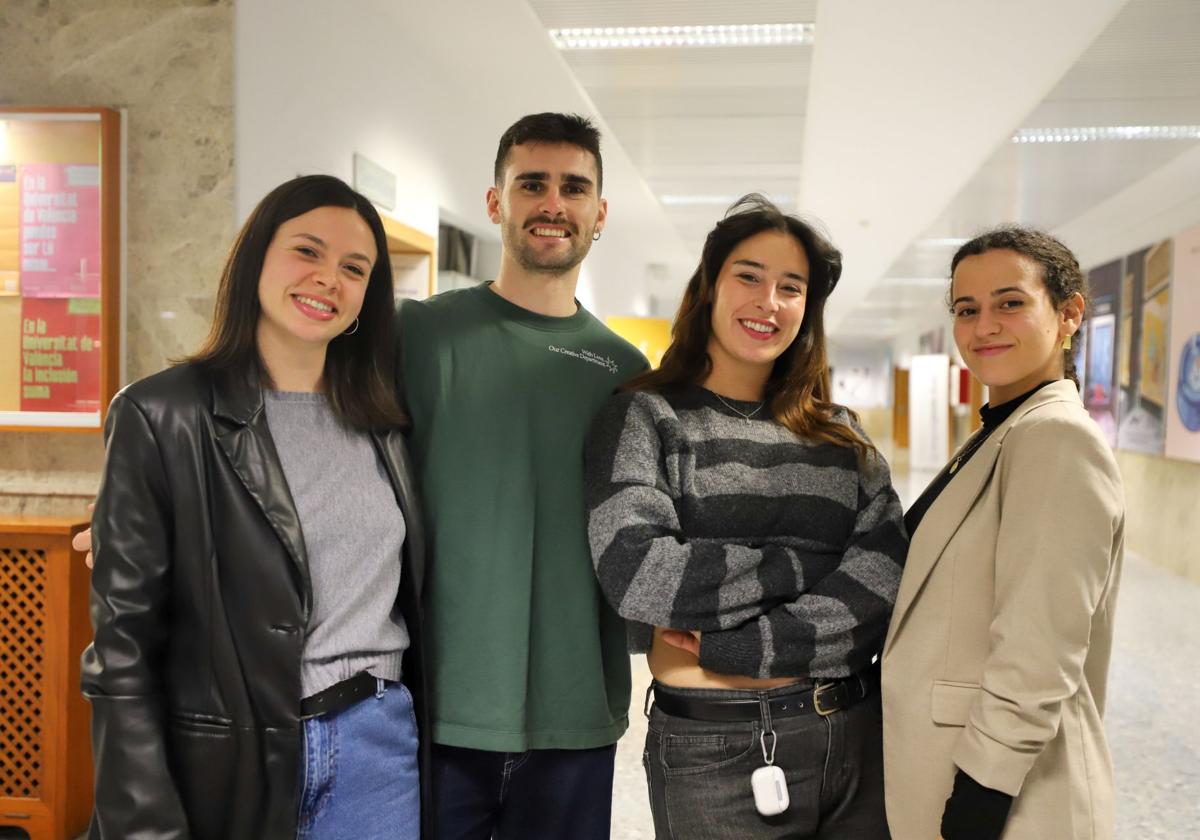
(60, 213)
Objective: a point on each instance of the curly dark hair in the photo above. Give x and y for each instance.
(1061, 274)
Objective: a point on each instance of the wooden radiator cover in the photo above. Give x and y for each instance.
(45, 751)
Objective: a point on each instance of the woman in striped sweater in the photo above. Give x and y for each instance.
(749, 532)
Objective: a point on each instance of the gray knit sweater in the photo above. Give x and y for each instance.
(785, 553)
(353, 533)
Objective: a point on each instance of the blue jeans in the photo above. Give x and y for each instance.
(360, 779)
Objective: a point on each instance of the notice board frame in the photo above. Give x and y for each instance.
(111, 177)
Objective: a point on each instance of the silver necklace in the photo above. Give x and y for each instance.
(746, 417)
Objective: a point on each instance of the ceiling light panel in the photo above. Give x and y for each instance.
(1093, 134)
(644, 37)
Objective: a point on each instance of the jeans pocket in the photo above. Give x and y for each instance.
(691, 753)
(704, 789)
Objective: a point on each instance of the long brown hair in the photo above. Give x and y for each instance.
(797, 391)
(358, 377)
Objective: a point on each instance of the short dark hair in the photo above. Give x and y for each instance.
(798, 389)
(1061, 274)
(358, 376)
(550, 127)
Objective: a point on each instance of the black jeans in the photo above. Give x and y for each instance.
(698, 773)
(533, 795)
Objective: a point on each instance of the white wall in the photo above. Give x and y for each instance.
(908, 344)
(862, 375)
(425, 89)
(1159, 205)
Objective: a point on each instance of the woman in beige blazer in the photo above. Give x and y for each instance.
(995, 663)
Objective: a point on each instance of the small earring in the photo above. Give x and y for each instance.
(353, 329)
(1066, 345)
(596, 234)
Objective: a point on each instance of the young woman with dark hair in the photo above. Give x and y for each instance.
(997, 656)
(749, 532)
(258, 556)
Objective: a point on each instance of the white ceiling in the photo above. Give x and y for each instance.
(907, 127)
(714, 122)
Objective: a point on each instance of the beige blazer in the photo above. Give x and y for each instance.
(998, 649)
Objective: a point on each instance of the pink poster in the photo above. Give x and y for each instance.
(60, 230)
(1183, 376)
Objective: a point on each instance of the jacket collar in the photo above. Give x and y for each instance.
(237, 398)
(946, 515)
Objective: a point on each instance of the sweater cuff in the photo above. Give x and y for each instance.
(974, 812)
(732, 651)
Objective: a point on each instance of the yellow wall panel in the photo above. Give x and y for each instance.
(10, 354)
(650, 335)
(31, 141)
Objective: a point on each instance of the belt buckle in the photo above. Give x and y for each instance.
(816, 696)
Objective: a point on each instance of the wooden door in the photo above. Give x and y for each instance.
(900, 407)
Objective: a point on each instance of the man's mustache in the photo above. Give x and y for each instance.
(546, 220)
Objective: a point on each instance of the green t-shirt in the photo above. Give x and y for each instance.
(524, 652)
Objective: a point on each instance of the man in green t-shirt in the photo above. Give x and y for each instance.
(529, 671)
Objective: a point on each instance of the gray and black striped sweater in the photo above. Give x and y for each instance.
(786, 554)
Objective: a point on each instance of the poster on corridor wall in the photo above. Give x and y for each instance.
(60, 348)
(60, 230)
(1183, 353)
(1102, 395)
(1145, 314)
(54, 273)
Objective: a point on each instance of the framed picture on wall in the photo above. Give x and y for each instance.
(1100, 359)
(60, 238)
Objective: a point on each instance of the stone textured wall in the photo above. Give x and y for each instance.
(169, 65)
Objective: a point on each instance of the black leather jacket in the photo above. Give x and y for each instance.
(200, 600)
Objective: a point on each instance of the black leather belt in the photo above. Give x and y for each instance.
(825, 698)
(341, 696)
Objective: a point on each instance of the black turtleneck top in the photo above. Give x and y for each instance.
(992, 418)
(973, 812)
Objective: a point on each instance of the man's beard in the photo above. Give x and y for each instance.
(529, 259)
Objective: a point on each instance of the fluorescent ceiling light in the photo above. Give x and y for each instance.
(1091, 134)
(635, 37)
(940, 242)
(715, 200)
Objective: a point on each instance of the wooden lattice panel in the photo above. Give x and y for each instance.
(22, 667)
